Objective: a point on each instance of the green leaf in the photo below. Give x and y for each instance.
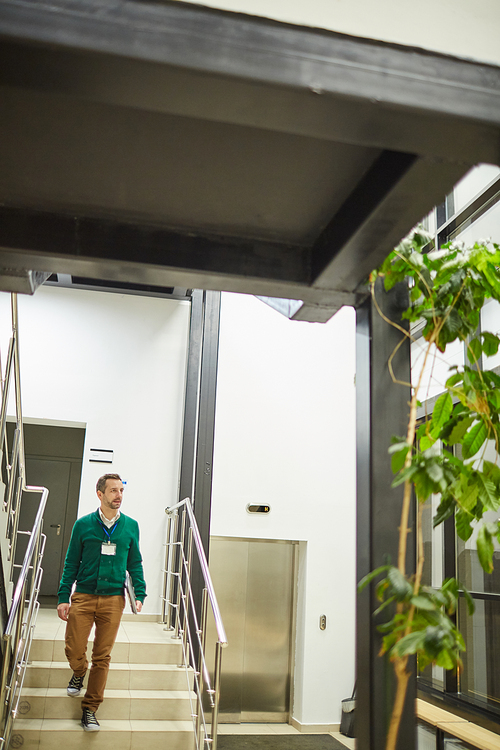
(384, 605)
(381, 589)
(474, 350)
(445, 660)
(404, 475)
(401, 587)
(424, 485)
(422, 602)
(445, 510)
(490, 343)
(492, 378)
(474, 439)
(441, 412)
(492, 472)
(409, 644)
(487, 494)
(485, 549)
(434, 469)
(454, 379)
(462, 525)
(459, 430)
(398, 458)
(370, 576)
(434, 636)
(468, 498)
(426, 442)
(471, 607)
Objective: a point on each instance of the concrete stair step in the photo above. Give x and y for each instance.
(122, 676)
(47, 734)
(164, 652)
(135, 705)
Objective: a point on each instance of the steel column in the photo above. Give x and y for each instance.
(199, 419)
(382, 411)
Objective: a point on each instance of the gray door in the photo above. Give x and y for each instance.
(53, 460)
(254, 583)
(54, 475)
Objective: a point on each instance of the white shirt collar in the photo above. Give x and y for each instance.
(106, 521)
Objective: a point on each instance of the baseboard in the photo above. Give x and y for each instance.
(314, 728)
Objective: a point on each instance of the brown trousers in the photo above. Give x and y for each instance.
(106, 613)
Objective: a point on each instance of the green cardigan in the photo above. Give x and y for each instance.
(99, 574)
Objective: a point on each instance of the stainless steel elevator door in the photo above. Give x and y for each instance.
(254, 583)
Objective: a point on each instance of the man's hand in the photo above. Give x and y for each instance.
(62, 611)
(138, 605)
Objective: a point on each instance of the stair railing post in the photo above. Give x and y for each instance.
(166, 573)
(17, 379)
(215, 709)
(15, 525)
(5, 391)
(11, 483)
(200, 677)
(187, 567)
(36, 564)
(4, 676)
(180, 568)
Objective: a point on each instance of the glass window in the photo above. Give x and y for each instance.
(480, 675)
(478, 681)
(473, 184)
(490, 321)
(486, 226)
(426, 737)
(437, 369)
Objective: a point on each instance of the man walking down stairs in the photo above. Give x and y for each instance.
(104, 546)
(147, 699)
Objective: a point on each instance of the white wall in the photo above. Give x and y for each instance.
(115, 363)
(285, 436)
(455, 27)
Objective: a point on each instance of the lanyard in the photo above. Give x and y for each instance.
(106, 531)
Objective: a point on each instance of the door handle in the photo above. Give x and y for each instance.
(56, 526)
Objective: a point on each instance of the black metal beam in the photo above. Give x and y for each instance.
(373, 188)
(135, 253)
(101, 239)
(382, 411)
(392, 197)
(416, 100)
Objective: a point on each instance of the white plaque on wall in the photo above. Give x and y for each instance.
(101, 456)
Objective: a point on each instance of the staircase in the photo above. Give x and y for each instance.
(146, 703)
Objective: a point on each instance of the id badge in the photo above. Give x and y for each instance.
(108, 549)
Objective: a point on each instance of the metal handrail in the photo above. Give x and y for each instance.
(37, 527)
(179, 599)
(18, 633)
(221, 633)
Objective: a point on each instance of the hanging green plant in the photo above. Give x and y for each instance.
(448, 289)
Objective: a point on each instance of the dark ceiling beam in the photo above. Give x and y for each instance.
(281, 77)
(20, 280)
(386, 204)
(310, 312)
(371, 190)
(107, 249)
